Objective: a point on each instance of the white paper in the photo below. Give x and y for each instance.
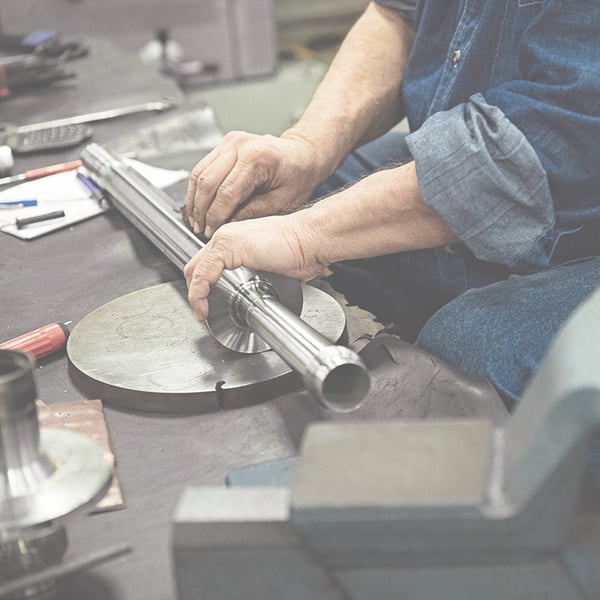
(64, 191)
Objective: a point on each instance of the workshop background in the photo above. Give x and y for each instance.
(278, 48)
(411, 503)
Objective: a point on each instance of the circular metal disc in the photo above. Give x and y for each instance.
(82, 476)
(227, 330)
(145, 351)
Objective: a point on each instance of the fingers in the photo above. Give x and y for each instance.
(198, 288)
(234, 191)
(195, 173)
(206, 178)
(228, 178)
(213, 182)
(202, 271)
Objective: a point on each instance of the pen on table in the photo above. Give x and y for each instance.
(41, 172)
(95, 192)
(13, 204)
(40, 342)
(24, 221)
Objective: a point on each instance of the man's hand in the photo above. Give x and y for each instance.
(249, 176)
(279, 244)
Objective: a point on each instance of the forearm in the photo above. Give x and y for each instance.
(360, 96)
(381, 214)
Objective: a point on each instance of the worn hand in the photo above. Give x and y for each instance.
(249, 176)
(278, 244)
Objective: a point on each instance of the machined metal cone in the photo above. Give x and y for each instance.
(45, 474)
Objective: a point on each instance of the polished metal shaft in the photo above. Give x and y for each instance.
(248, 312)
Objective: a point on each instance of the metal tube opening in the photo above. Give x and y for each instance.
(345, 387)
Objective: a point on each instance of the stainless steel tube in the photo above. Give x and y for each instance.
(248, 312)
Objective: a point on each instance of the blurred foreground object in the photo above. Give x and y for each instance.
(425, 510)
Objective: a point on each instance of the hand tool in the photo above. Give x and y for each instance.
(246, 311)
(41, 172)
(50, 574)
(157, 106)
(26, 71)
(42, 140)
(24, 221)
(40, 342)
(12, 204)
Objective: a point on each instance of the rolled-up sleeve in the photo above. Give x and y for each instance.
(405, 7)
(482, 176)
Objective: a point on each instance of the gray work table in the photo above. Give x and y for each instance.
(67, 274)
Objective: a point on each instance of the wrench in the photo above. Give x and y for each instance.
(160, 105)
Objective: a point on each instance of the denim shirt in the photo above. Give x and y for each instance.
(503, 103)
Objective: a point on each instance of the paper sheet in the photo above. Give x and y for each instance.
(64, 191)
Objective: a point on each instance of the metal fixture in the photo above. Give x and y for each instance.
(248, 312)
(113, 349)
(45, 476)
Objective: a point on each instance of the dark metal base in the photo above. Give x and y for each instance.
(145, 351)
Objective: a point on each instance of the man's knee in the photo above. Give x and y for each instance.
(478, 335)
(502, 331)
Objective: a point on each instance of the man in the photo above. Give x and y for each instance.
(484, 220)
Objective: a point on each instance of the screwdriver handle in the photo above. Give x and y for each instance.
(24, 221)
(39, 342)
(52, 169)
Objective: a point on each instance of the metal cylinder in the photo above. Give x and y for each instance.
(45, 476)
(248, 312)
(23, 468)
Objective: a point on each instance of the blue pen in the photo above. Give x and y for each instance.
(90, 186)
(12, 204)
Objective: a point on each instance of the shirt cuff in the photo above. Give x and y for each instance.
(405, 7)
(484, 179)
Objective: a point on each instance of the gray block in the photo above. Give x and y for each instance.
(545, 580)
(366, 489)
(233, 543)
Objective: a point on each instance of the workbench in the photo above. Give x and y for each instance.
(67, 274)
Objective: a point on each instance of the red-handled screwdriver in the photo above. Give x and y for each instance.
(41, 172)
(40, 342)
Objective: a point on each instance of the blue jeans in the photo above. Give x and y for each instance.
(477, 316)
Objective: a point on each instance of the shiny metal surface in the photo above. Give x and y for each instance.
(227, 317)
(158, 106)
(44, 475)
(335, 375)
(145, 351)
(147, 208)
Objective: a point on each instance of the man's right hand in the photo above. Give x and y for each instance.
(248, 176)
(284, 244)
